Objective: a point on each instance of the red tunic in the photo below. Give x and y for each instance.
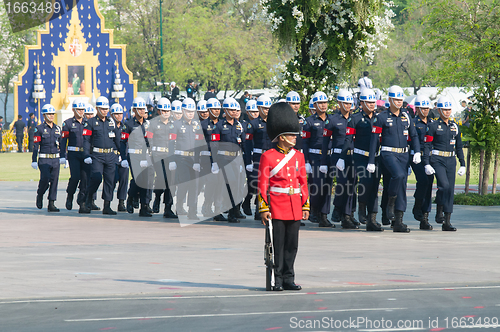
(291, 179)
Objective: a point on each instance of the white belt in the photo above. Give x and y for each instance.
(258, 150)
(315, 151)
(184, 153)
(74, 148)
(228, 153)
(205, 153)
(49, 155)
(443, 153)
(159, 149)
(337, 150)
(289, 191)
(102, 150)
(135, 151)
(391, 149)
(361, 152)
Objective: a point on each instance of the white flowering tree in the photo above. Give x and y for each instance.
(326, 39)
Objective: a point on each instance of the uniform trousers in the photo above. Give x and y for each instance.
(253, 182)
(320, 187)
(367, 186)
(396, 165)
(102, 169)
(285, 244)
(78, 174)
(445, 168)
(121, 177)
(141, 178)
(208, 182)
(162, 178)
(187, 184)
(424, 186)
(19, 140)
(345, 196)
(49, 177)
(31, 133)
(386, 176)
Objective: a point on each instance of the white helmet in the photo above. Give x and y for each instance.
(319, 96)
(251, 106)
(177, 106)
(172, 84)
(48, 109)
(116, 109)
(345, 96)
(89, 109)
(188, 104)
(422, 102)
(444, 102)
(396, 92)
(78, 103)
(264, 101)
(213, 103)
(138, 103)
(367, 95)
(311, 104)
(230, 103)
(164, 104)
(292, 97)
(102, 102)
(202, 106)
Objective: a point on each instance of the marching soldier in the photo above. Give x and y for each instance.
(89, 111)
(47, 139)
(312, 144)
(176, 110)
(395, 129)
(89, 114)
(72, 140)
(121, 173)
(423, 191)
(334, 138)
(101, 139)
(443, 143)
(252, 113)
(293, 99)
(283, 193)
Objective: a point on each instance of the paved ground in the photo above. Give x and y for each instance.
(133, 274)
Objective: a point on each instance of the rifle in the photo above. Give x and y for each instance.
(269, 256)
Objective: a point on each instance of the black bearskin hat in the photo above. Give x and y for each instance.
(281, 119)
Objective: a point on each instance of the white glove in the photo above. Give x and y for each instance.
(62, 161)
(172, 166)
(143, 163)
(197, 167)
(249, 168)
(34, 165)
(370, 168)
(323, 169)
(309, 169)
(429, 170)
(416, 158)
(124, 164)
(461, 171)
(241, 168)
(67, 164)
(87, 160)
(215, 168)
(340, 164)
(119, 159)
(409, 171)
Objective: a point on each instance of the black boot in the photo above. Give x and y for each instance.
(130, 205)
(168, 213)
(121, 205)
(362, 213)
(52, 207)
(85, 206)
(399, 226)
(149, 209)
(323, 221)
(107, 209)
(391, 202)
(336, 215)
(238, 213)
(346, 222)
(94, 207)
(385, 220)
(220, 217)
(447, 224)
(143, 212)
(135, 202)
(246, 205)
(417, 210)
(354, 220)
(372, 225)
(424, 223)
(156, 204)
(439, 214)
(313, 216)
(69, 202)
(39, 201)
(231, 216)
(192, 214)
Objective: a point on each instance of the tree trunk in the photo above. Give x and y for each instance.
(486, 173)
(480, 181)
(467, 172)
(495, 171)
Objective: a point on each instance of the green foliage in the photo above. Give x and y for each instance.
(476, 199)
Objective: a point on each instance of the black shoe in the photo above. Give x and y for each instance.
(417, 210)
(220, 217)
(52, 207)
(439, 214)
(231, 218)
(130, 205)
(391, 202)
(168, 213)
(80, 199)
(237, 212)
(347, 222)
(156, 204)
(385, 220)
(39, 201)
(313, 216)
(302, 224)
(336, 215)
(257, 215)
(94, 207)
(362, 216)
(246, 205)
(149, 209)
(69, 202)
(278, 288)
(323, 221)
(135, 202)
(291, 286)
(121, 206)
(107, 209)
(372, 225)
(84, 208)
(180, 211)
(354, 221)
(399, 226)
(143, 212)
(447, 224)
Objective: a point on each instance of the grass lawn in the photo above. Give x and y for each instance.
(17, 167)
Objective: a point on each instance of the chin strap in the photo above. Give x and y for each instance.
(286, 140)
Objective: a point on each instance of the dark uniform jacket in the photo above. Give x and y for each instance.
(72, 136)
(445, 138)
(101, 135)
(47, 140)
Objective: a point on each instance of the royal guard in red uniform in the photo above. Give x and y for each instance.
(283, 193)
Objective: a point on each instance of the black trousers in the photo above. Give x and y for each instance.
(19, 140)
(78, 174)
(285, 244)
(49, 177)
(102, 169)
(121, 177)
(31, 133)
(445, 168)
(367, 186)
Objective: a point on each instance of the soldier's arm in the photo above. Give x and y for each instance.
(325, 145)
(248, 145)
(263, 180)
(37, 138)
(350, 131)
(124, 141)
(429, 137)
(303, 183)
(414, 139)
(374, 139)
(306, 137)
(459, 147)
(87, 139)
(64, 140)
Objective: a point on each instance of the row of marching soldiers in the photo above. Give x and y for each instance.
(357, 149)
